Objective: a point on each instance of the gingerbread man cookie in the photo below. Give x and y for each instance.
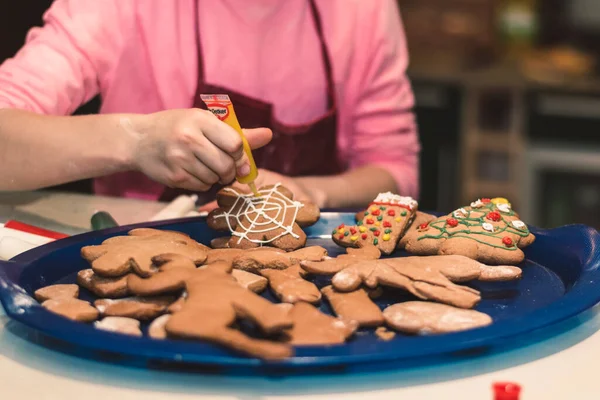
(136, 252)
(488, 232)
(424, 283)
(383, 223)
(460, 268)
(215, 301)
(273, 219)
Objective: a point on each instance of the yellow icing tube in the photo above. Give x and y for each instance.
(222, 107)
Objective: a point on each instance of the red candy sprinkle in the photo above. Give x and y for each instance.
(353, 230)
(424, 225)
(452, 222)
(341, 237)
(364, 236)
(370, 220)
(391, 213)
(485, 200)
(494, 216)
(376, 233)
(507, 241)
(341, 226)
(387, 224)
(376, 212)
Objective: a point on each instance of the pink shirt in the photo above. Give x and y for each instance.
(140, 55)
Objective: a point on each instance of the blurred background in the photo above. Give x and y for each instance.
(508, 101)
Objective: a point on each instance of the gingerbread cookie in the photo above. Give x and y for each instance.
(290, 286)
(250, 281)
(178, 304)
(460, 268)
(424, 283)
(141, 308)
(420, 317)
(273, 219)
(499, 273)
(486, 232)
(228, 255)
(215, 301)
(60, 291)
(420, 219)
(170, 277)
(255, 260)
(103, 287)
(313, 328)
(157, 330)
(74, 309)
(367, 251)
(374, 293)
(123, 325)
(330, 265)
(121, 254)
(383, 224)
(354, 306)
(220, 242)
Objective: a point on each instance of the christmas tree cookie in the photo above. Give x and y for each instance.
(487, 231)
(382, 224)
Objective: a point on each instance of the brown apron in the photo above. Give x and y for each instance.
(298, 150)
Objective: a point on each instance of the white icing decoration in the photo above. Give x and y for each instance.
(392, 198)
(254, 211)
(460, 213)
(518, 224)
(505, 208)
(477, 204)
(488, 227)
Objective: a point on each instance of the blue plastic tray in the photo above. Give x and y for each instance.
(559, 281)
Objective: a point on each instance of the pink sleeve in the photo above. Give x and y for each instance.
(385, 132)
(63, 63)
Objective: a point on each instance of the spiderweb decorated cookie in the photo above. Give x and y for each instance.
(487, 231)
(273, 219)
(383, 223)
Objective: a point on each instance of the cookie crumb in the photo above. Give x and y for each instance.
(384, 334)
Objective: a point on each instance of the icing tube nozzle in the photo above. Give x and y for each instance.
(222, 107)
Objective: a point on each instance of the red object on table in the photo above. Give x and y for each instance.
(506, 391)
(34, 230)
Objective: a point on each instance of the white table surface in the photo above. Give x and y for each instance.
(558, 363)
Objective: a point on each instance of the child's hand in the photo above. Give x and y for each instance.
(191, 148)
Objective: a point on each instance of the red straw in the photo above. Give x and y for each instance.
(20, 226)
